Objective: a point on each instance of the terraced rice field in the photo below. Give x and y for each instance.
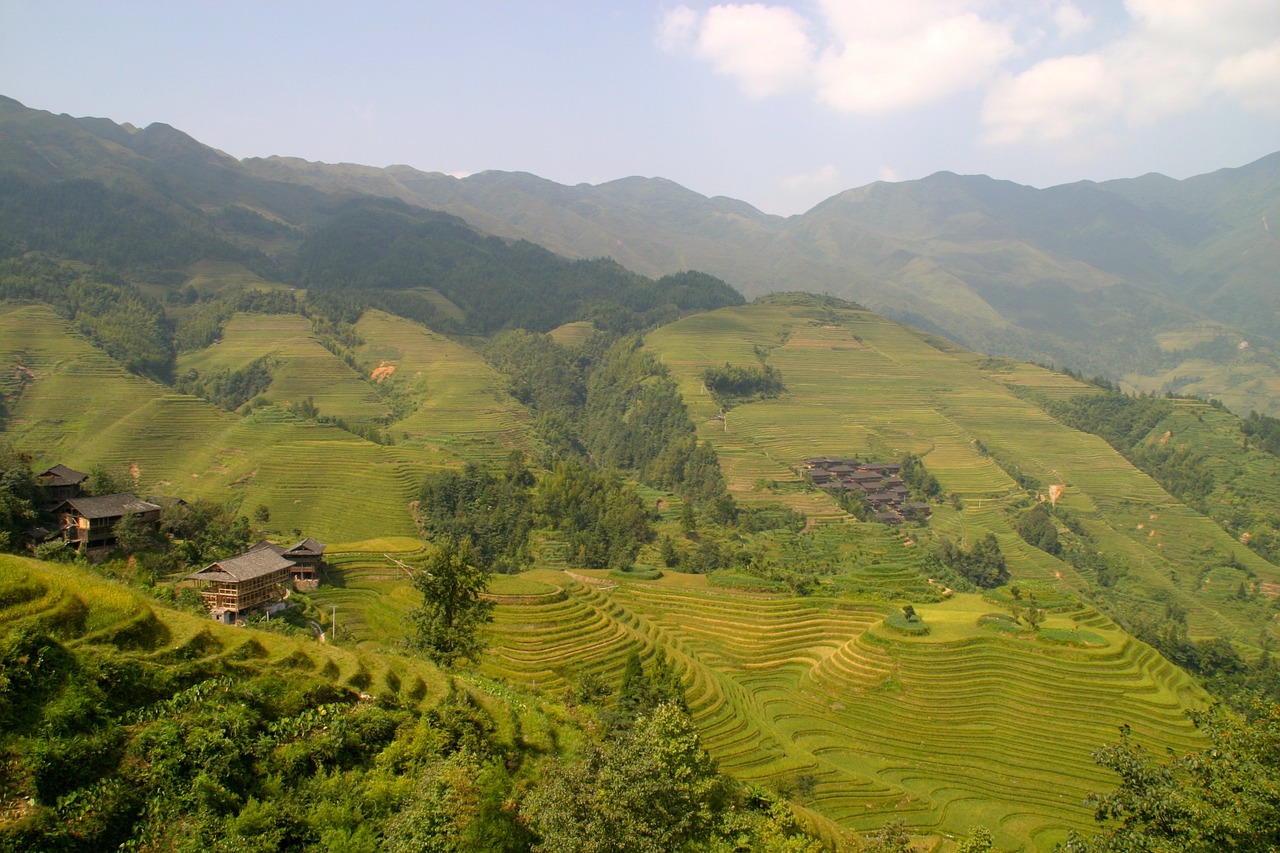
(860, 385)
(71, 388)
(82, 409)
(87, 612)
(960, 727)
(305, 369)
(463, 411)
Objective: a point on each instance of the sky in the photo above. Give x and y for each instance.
(780, 104)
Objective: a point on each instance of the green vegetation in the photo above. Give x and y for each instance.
(383, 252)
(724, 601)
(492, 515)
(446, 626)
(982, 563)
(1221, 797)
(732, 384)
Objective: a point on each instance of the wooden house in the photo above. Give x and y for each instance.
(306, 557)
(59, 484)
(234, 587)
(91, 521)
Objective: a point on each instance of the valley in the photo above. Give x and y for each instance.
(341, 352)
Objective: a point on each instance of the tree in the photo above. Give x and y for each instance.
(17, 494)
(1223, 797)
(652, 791)
(979, 841)
(447, 625)
(133, 534)
(103, 482)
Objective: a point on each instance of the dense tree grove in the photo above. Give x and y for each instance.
(923, 486)
(1037, 527)
(228, 388)
(492, 514)
(602, 520)
(733, 383)
(17, 496)
(982, 563)
(611, 404)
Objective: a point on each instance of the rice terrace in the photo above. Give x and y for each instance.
(360, 509)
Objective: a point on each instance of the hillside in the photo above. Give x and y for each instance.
(1153, 281)
(76, 406)
(1162, 284)
(860, 385)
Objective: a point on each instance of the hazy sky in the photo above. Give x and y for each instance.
(779, 104)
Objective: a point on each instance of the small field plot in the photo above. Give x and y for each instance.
(460, 407)
(304, 369)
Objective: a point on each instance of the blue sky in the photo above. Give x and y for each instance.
(779, 104)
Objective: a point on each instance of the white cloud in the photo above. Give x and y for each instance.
(1176, 55)
(1253, 78)
(872, 57)
(678, 29)
(1070, 21)
(824, 177)
(890, 175)
(1052, 101)
(765, 48)
(889, 57)
(859, 56)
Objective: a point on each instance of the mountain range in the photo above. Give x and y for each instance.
(1163, 285)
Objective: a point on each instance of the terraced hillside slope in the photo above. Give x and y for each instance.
(73, 404)
(822, 700)
(859, 385)
(131, 724)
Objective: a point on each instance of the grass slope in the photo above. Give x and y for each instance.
(303, 367)
(462, 410)
(819, 699)
(861, 385)
(80, 408)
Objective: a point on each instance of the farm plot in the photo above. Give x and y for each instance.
(304, 368)
(942, 731)
(462, 410)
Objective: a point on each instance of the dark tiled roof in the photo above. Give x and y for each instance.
(109, 506)
(264, 545)
(307, 546)
(245, 567)
(61, 475)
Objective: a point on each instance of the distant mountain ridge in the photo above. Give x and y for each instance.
(1153, 281)
(1159, 283)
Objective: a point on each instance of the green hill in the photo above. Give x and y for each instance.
(1153, 281)
(862, 386)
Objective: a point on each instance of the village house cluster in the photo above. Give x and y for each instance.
(253, 582)
(883, 490)
(257, 580)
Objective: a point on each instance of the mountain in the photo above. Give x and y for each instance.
(1160, 284)
(151, 204)
(1163, 284)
